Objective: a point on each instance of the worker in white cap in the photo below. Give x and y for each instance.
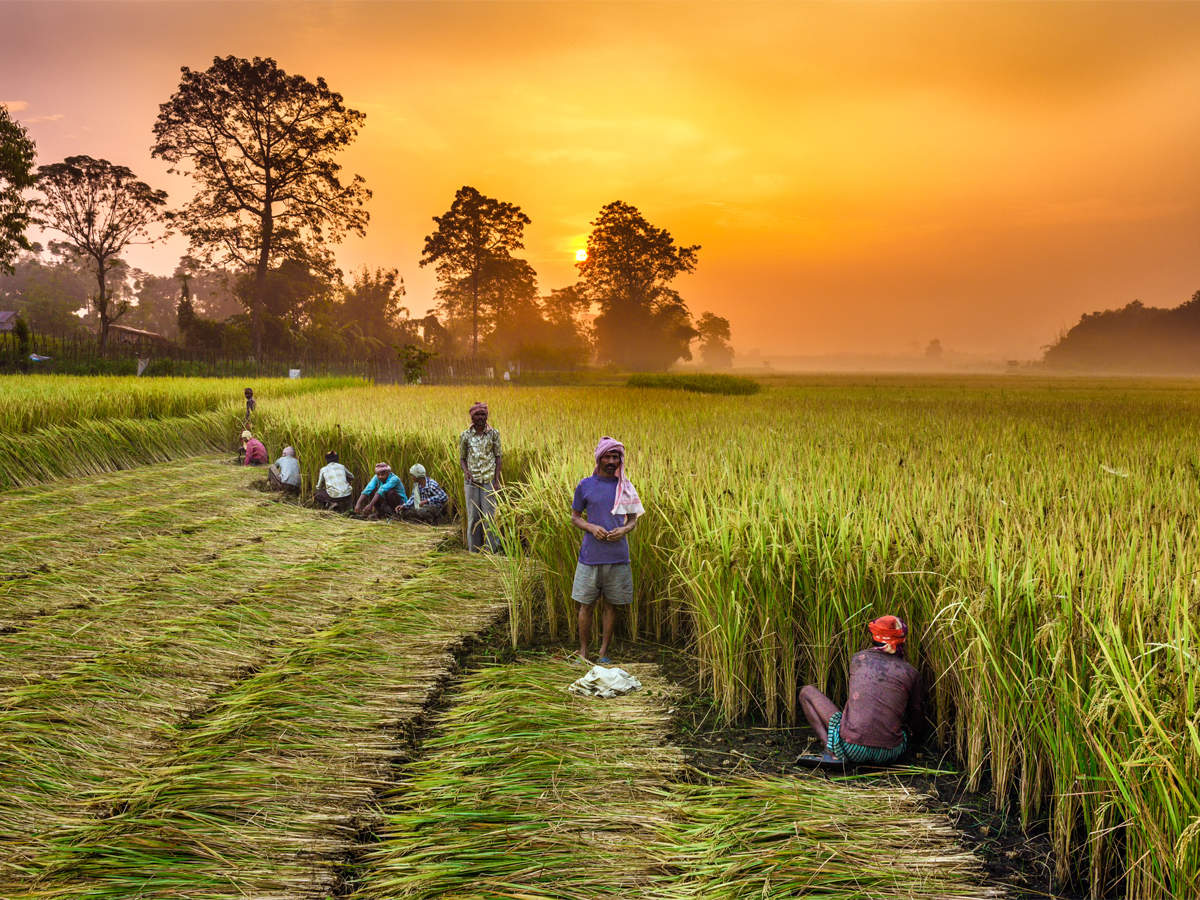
(427, 500)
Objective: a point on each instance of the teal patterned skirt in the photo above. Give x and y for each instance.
(857, 752)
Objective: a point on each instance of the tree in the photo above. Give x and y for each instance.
(157, 304)
(101, 209)
(261, 145)
(373, 306)
(472, 250)
(48, 289)
(16, 176)
(630, 264)
(715, 350)
(933, 350)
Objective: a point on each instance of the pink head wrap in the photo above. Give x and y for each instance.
(475, 407)
(382, 467)
(626, 499)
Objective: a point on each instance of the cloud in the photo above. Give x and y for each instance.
(54, 118)
(14, 106)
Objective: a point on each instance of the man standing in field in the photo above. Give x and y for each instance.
(479, 456)
(333, 484)
(605, 508)
(382, 495)
(885, 693)
(250, 405)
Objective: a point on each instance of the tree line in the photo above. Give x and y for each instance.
(1134, 339)
(261, 148)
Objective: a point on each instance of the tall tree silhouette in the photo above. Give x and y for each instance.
(630, 264)
(101, 209)
(472, 250)
(16, 176)
(262, 147)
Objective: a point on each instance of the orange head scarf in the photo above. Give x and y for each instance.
(889, 631)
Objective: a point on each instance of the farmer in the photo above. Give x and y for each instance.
(427, 502)
(885, 693)
(383, 495)
(605, 508)
(333, 484)
(250, 404)
(479, 456)
(284, 474)
(253, 451)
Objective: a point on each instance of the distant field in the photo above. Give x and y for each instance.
(1039, 535)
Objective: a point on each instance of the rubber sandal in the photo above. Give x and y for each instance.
(604, 660)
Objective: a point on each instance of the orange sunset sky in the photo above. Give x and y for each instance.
(863, 177)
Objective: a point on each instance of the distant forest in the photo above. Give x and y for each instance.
(270, 200)
(1136, 338)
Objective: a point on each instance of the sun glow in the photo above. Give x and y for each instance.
(580, 255)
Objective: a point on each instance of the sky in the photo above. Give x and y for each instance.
(861, 177)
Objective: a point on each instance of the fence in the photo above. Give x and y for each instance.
(79, 353)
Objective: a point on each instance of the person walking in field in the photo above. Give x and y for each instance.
(606, 508)
(254, 453)
(479, 456)
(427, 501)
(383, 495)
(885, 694)
(250, 405)
(333, 484)
(284, 474)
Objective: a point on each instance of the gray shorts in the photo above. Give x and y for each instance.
(613, 581)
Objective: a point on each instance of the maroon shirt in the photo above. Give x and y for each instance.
(255, 452)
(885, 691)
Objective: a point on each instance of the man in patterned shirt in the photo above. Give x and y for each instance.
(479, 455)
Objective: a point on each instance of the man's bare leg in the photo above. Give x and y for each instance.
(608, 616)
(585, 629)
(818, 709)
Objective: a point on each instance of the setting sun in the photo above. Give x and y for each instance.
(580, 255)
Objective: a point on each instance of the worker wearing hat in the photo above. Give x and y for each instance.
(884, 706)
(427, 500)
(383, 495)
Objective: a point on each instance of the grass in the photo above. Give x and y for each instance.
(304, 743)
(33, 402)
(984, 512)
(528, 791)
(189, 630)
(701, 384)
(1039, 536)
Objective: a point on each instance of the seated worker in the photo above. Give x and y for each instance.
(333, 484)
(427, 502)
(383, 495)
(253, 451)
(885, 693)
(284, 474)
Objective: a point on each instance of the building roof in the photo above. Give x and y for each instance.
(8, 319)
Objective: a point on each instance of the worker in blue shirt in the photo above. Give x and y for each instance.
(383, 495)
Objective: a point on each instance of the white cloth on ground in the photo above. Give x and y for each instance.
(605, 682)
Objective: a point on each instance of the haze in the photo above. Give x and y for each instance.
(862, 177)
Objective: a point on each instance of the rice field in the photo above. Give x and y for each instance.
(200, 687)
(529, 791)
(1040, 538)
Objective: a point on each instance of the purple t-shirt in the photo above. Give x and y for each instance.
(594, 496)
